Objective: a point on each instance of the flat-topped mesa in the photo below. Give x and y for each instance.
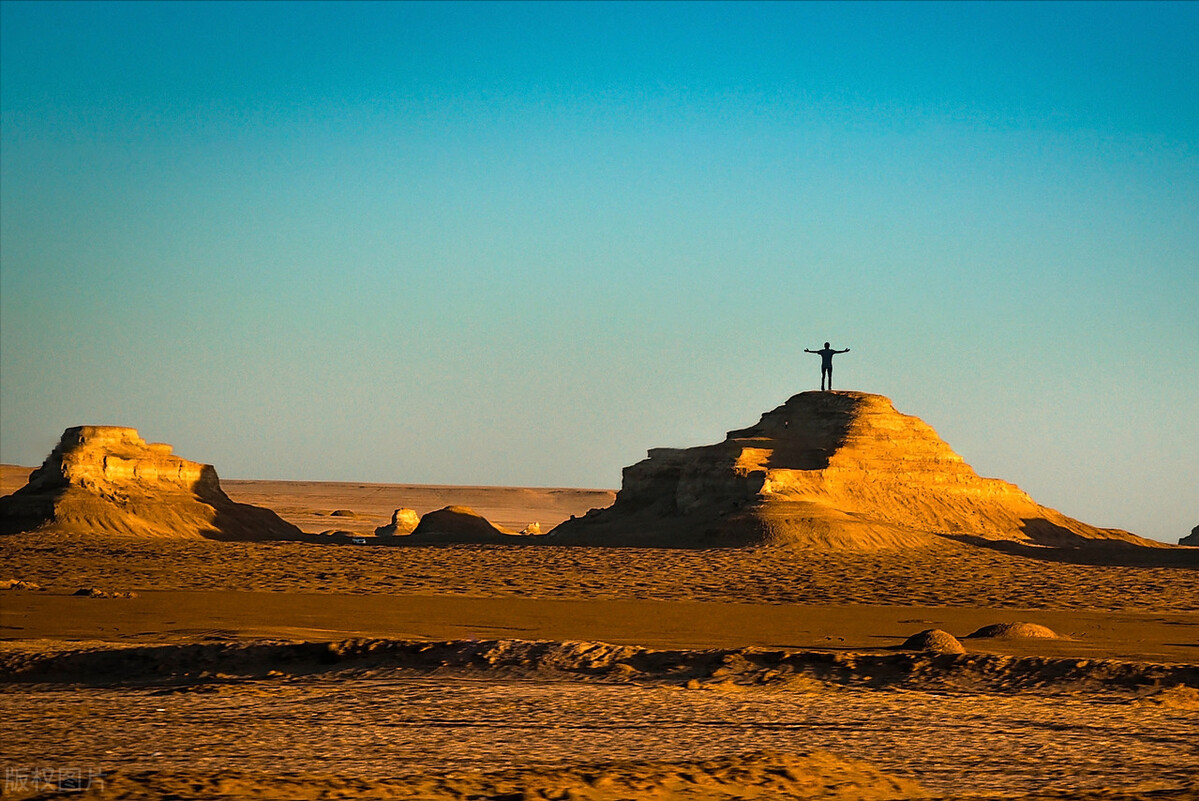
(838, 469)
(108, 480)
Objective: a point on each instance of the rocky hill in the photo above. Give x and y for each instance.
(108, 480)
(833, 469)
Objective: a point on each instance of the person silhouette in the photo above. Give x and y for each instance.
(826, 363)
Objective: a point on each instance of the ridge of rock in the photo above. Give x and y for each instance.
(1192, 538)
(830, 469)
(108, 480)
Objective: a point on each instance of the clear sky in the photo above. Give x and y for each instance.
(522, 243)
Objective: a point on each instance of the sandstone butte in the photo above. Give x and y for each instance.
(108, 480)
(825, 469)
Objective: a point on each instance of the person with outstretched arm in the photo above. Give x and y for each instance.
(826, 363)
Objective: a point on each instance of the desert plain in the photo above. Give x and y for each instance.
(160, 667)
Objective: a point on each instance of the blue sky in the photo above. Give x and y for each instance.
(522, 243)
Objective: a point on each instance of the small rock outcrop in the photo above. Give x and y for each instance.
(934, 641)
(825, 469)
(107, 480)
(403, 522)
(19, 584)
(1192, 538)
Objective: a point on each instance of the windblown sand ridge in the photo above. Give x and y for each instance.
(587, 720)
(765, 775)
(911, 666)
(832, 469)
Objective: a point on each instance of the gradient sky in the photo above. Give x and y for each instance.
(522, 243)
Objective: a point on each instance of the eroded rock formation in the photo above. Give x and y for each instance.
(403, 522)
(108, 480)
(1192, 538)
(835, 469)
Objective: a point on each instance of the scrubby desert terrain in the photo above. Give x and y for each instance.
(300, 670)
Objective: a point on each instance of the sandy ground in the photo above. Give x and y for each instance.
(177, 692)
(312, 505)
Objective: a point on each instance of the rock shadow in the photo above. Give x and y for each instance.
(1051, 542)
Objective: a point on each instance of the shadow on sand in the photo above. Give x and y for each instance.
(1053, 543)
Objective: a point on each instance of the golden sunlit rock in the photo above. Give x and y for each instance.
(108, 480)
(834, 469)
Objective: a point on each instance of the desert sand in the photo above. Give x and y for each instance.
(855, 657)
(745, 672)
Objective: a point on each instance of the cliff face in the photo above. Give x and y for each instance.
(108, 480)
(837, 469)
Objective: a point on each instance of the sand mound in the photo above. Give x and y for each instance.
(826, 469)
(108, 480)
(1014, 631)
(935, 641)
(758, 775)
(458, 524)
(403, 522)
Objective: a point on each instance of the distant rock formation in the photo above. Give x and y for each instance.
(1192, 538)
(108, 480)
(459, 524)
(829, 469)
(403, 522)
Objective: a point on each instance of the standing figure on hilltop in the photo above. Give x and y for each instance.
(826, 363)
